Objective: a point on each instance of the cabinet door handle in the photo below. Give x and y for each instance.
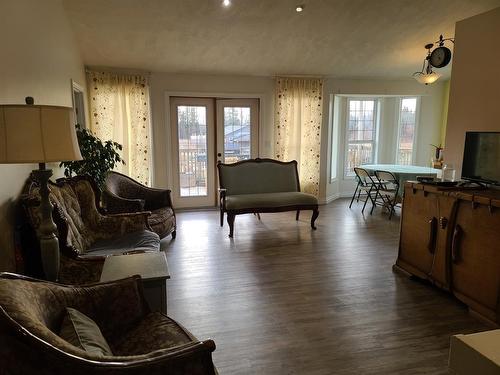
(432, 235)
(455, 243)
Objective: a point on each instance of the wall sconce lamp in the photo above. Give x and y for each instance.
(427, 75)
(437, 58)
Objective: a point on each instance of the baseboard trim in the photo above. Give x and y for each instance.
(346, 194)
(329, 199)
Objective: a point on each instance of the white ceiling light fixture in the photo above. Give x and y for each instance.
(226, 3)
(299, 8)
(427, 75)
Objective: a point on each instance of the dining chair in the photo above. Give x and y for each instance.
(388, 190)
(367, 186)
(356, 191)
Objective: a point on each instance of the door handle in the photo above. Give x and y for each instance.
(455, 243)
(431, 246)
(219, 154)
(443, 222)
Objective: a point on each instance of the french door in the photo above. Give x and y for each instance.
(204, 131)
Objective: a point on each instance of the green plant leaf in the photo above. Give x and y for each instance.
(99, 157)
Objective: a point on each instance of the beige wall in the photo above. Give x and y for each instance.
(38, 58)
(428, 131)
(165, 84)
(475, 82)
(446, 103)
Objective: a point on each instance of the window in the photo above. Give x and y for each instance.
(406, 130)
(361, 133)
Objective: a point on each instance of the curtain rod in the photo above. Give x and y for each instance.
(297, 76)
(89, 69)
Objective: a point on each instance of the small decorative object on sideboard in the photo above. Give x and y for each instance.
(437, 159)
(448, 173)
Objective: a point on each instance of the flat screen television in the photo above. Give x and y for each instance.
(482, 157)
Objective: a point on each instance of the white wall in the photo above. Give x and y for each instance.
(165, 84)
(38, 58)
(430, 120)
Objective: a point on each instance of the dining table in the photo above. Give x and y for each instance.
(402, 173)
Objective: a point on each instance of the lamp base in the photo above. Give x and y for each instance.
(49, 250)
(49, 244)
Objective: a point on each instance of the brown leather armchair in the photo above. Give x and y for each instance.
(123, 194)
(141, 341)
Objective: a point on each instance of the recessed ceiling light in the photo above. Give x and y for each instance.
(299, 8)
(226, 3)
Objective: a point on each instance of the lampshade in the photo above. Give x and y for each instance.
(37, 134)
(426, 78)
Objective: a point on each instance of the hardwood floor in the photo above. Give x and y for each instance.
(280, 298)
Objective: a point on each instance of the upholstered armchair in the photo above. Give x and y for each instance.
(32, 314)
(86, 235)
(122, 194)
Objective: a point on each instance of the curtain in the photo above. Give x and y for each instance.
(120, 111)
(297, 130)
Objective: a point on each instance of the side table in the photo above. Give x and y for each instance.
(153, 269)
(476, 353)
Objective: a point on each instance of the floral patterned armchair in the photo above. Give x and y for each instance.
(141, 341)
(86, 234)
(123, 194)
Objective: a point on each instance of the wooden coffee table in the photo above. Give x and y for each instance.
(153, 269)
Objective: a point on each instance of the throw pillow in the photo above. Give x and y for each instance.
(81, 331)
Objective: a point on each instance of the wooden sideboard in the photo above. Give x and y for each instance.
(451, 237)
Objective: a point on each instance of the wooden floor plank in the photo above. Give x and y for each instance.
(280, 298)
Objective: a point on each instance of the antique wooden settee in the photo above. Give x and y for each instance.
(262, 185)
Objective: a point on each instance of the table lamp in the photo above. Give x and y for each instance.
(40, 134)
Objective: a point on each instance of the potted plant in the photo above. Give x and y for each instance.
(99, 157)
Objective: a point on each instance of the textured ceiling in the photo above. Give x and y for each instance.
(340, 38)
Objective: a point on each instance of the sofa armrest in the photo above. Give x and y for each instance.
(157, 198)
(191, 358)
(78, 271)
(117, 205)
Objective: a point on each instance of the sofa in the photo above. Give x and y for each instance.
(86, 234)
(259, 186)
(122, 194)
(33, 339)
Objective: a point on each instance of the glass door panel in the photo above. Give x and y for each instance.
(237, 129)
(193, 129)
(192, 138)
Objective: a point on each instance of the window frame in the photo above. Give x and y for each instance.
(398, 127)
(78, 92)
(334, 120)
(374, 141)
